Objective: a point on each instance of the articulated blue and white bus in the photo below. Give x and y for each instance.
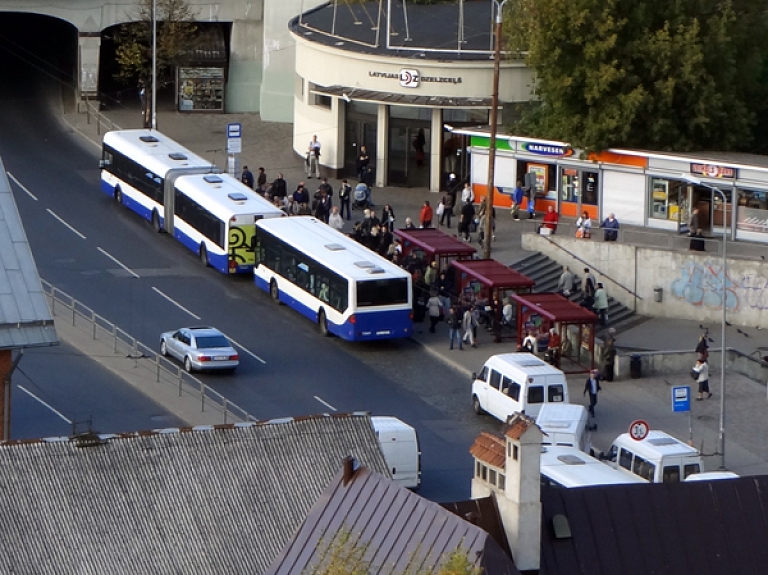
(211, 213)
(344, 287)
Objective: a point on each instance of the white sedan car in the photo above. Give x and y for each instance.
(199, 348)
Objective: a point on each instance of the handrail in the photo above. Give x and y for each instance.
(178, 378)
(91, 108)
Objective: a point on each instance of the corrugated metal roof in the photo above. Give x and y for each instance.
(203, 500)
(489, 449)
(400, 531)
(25, 320)
(689, 528)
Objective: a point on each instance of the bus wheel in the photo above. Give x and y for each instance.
(118, 195)
(323, 323)
(476, 404)
(273, 291)
(203, 255)
(156, 222)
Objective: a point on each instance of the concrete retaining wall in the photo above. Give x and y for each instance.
(691, 284)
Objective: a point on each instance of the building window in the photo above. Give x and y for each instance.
(483, 473)
(492, 477)
(298, 86)
(669, 200)
(502, 482)
(514, 452)
(752, 212)
(477, 468)
(323, 101)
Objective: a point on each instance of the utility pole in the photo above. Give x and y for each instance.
(492, 145)
(153, 125)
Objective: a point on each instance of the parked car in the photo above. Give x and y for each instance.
(200, 348)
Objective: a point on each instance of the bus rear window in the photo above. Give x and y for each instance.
(382, 292)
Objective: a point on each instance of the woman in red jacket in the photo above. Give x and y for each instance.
(426, 215)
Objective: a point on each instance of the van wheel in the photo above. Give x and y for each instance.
(476, 404)
(156, 222)
(203, 255)
(273, 291)
(323, 323)
(118, 195)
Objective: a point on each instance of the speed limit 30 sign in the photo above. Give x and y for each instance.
(638, 429)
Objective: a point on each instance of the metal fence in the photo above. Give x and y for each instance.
(165, 371)
(94, 115)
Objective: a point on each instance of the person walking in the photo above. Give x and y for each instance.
(466, 220)
(434, 309)
(592, 387)
(454, 327)
(611, 227)
(469, 325)
(247, 177)
(565, 283)
(589, 284)
(426, 215)
(702, 347)
(313, 158)
(701, 371)
(449, 200)
(345, 192)
(517, 199)
(388, 217)
(601, 303)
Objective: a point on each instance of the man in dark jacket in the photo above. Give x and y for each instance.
(247, 177)
(592, 387)
(279, 187)
(454, 327)
(466, 220)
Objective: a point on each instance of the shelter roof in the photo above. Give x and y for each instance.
(434, 241)
(688, 528)
(398, 530)
(494, 274)
(25, 320)
(556, 307)
(490, 449)
(204, 500)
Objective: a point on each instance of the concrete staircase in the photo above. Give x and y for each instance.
(546, 273)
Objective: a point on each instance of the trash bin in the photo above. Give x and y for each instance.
(635, 366)
(657, 293)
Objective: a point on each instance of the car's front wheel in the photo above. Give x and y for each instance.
(163, 348)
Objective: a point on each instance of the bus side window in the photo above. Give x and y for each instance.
(536, 394)
(690, 469)
(495, 379)
(671, 474)
(625, 459)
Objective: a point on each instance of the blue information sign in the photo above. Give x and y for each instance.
(681, 398)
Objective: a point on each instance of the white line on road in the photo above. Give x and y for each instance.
(33, 396)
(118, 262)
(177, 304)
(50, 211)
(326, 404)
(18, 183)
(246, 350)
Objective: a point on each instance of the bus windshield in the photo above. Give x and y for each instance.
(372, 293)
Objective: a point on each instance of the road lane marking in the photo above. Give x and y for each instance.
(18, 183)
(50, 211)
(177, 304)
(326, 404)
(33, 396)
(246, 350)
(118, 262)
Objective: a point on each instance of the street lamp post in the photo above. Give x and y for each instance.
(153, 123)
(714, 189)
(492, 145)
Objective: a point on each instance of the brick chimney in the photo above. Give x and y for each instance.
(509, 466)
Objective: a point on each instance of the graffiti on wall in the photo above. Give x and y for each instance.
(701, 285)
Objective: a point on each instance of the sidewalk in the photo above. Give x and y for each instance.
(269, 145)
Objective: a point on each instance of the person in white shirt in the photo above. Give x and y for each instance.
(507, 312)
(584, 226)
(467, 194)
(313, 158)
(335, 220)
(531, 343)
(701, 369)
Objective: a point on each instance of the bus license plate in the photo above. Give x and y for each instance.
(384, 332)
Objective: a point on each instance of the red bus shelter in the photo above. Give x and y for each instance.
(431, 244)
(490, 283)
(538, 312)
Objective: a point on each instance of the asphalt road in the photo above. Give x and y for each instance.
(94, 250)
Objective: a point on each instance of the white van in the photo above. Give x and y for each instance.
(571, 467)
(565, 425)
(517, 382)
(659, 458)
(400, 446)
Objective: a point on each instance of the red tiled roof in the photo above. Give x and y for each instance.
(489, 449)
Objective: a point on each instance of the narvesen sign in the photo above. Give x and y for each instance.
(410, 78)
(713, 171)
(545, 149)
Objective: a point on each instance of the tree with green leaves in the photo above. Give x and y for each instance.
(133, 42)
(683, 75)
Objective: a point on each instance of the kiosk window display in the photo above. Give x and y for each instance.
(201, 89)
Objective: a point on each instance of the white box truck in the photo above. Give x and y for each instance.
(517, 382)
(400, 446)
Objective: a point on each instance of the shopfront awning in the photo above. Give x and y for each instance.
(347, 93)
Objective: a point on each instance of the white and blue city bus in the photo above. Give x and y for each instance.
(344, 287)
(183, 194)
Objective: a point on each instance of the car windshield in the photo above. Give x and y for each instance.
(209, 341)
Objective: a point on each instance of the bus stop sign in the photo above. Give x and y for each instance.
(681, 398)
(234, 138)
